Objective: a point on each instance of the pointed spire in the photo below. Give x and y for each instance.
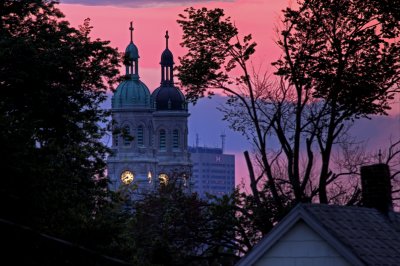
(131, 56)
(131, 29)
(167, 64)
(166, 39)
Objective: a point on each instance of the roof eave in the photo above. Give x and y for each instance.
(299, 213)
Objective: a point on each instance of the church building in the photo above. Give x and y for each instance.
(150, 130)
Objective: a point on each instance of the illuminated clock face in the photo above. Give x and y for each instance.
(127, 177)
(163, 179)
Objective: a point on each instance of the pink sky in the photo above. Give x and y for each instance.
(259, 17)
(111, 23)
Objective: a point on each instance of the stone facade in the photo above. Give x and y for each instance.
(149, 131)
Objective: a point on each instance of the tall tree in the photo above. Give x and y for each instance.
(53, 79)
(342, 55)
(340, 63)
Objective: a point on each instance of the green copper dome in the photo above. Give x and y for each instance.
(131, 93)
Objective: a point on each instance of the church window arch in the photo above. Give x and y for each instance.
(140, 135)
(175, 139)
(162, 139)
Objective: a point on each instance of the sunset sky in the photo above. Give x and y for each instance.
(150, 21)
(110, 19)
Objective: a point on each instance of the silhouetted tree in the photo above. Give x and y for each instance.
(173, 227)
(53, 79)
(341, 57)
(340, 63)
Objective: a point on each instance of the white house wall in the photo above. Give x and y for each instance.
(302, 246)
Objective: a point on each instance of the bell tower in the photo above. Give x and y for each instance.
(132, 162)
(150, 132)
(170, 122)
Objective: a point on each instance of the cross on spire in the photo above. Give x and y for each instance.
(166, 39)
(131, 29)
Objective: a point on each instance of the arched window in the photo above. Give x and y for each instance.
(127, 136)
(175, 139)
(140, 138)
(162, 142)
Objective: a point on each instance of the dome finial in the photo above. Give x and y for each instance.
(131, 56)
(166, 39)
(131, 29)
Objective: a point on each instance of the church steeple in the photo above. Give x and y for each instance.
(168, 97)
(167, 65)
(131, 92)
(131, 60)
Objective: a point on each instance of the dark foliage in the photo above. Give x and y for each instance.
(173, 227)
(344, 56)
(344, 52)
(53, 78)
(213, 50)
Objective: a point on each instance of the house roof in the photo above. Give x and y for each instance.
(363, 236)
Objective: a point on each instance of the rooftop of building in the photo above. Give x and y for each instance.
(205, 150)
(368, 235)
(372, 235)
(365, 235)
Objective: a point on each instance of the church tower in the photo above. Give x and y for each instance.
(170, 124)
(133, 157)
(149, 131)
